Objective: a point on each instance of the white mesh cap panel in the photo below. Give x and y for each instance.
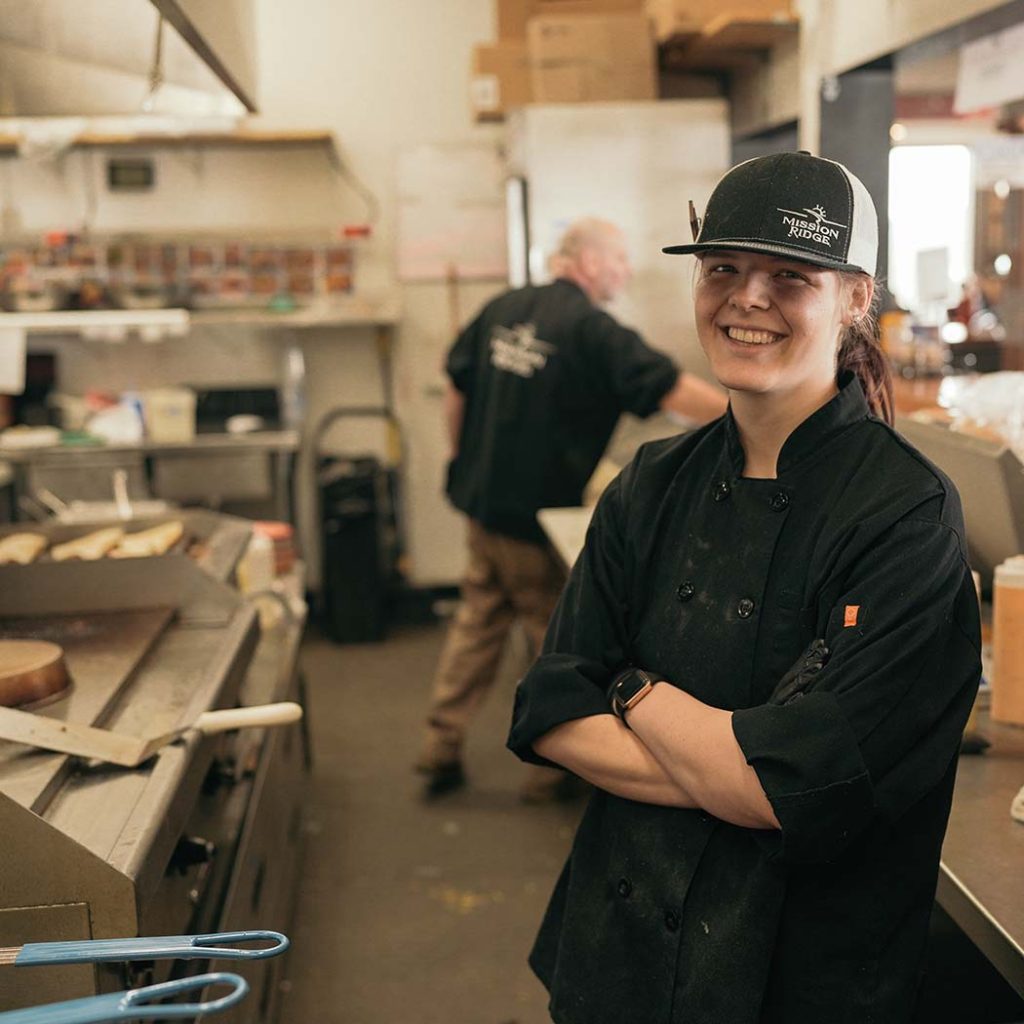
(864, 229)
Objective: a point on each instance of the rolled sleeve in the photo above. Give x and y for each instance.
(639, 376)
(558, 689)
(883, 721)
(585, 642)
(810, 766)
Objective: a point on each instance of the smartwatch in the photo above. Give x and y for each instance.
(628, 688)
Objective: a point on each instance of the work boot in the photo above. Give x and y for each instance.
(442, 779)
(443, 768)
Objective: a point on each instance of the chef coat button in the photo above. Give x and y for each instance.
(625, 888)
(721, 490)
(672, 920)
(685, 591)
(745, 608)
(779, 502)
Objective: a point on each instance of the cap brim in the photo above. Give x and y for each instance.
(800, 255)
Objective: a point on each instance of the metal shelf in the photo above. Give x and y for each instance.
(9, 144)
(177, 322)
(171, 321)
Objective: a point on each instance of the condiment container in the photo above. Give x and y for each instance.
(170, 414)
(1008, 642)
(972, 721)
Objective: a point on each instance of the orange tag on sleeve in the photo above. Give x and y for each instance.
(850, 618)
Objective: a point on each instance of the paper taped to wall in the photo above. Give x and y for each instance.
(12, 360)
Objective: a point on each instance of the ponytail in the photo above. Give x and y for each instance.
(860, 351)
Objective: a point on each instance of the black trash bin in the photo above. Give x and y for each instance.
(359, 540)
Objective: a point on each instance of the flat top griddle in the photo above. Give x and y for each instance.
(102, 651)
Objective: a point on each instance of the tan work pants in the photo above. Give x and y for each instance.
(507, 579)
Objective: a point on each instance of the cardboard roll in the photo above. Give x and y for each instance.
(31, 671)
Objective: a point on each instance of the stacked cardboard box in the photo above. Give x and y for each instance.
(584, 57)
(514, 15)
(563, 51)
(500, 79)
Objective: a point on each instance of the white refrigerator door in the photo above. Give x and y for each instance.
(636, 164)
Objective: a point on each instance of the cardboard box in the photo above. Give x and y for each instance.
(589, 6)
(581, 58)
(500, 79)
(512, 16)
(683, 17)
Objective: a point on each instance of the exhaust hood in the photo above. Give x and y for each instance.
(66, 58)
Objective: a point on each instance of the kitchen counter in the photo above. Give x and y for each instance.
(980, 876)
(566, 529)
(980, 881)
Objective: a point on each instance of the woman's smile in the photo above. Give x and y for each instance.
(751, 336)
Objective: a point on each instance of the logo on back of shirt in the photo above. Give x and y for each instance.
(518, 350)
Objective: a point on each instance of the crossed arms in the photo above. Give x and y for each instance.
(677, 752)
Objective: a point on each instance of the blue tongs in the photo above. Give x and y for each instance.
(219, 946)
(135, 1004)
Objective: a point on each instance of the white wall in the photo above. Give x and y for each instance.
(384, 75)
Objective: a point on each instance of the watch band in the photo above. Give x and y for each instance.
(628, 688)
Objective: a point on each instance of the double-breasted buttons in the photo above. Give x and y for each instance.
(720, 491)
(685, 591)
(672, 920)
(779, 501)
(624, 888)
(744, 608)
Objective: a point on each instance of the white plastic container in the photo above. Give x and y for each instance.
(256, 567)
(170, 414)
(255, 575)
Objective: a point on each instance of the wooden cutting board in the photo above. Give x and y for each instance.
(31, 671)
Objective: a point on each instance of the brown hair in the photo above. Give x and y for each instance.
(860, 350)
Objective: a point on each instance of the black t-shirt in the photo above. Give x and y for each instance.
(545, 375)
(717, 583)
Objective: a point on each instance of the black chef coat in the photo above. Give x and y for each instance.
(546, 375)
(717, 583)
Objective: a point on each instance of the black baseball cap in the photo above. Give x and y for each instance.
(791, 204)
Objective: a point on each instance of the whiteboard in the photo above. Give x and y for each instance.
(451, 213)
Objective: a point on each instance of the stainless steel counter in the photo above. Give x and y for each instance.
(202, 837)
(980, 883)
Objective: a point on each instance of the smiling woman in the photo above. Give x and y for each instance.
(763, 660)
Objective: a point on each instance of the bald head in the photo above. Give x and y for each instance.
(592, 252)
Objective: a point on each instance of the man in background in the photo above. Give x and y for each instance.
(537, 383)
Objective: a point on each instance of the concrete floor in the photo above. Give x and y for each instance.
(414, 913)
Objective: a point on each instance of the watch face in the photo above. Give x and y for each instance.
(632, 686)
